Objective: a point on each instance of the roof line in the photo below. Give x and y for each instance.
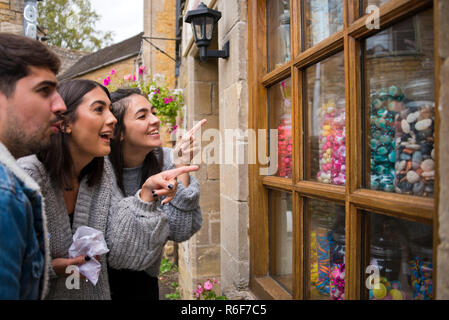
(103, 65)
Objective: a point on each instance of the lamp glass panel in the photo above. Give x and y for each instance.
(209, 27)
(198, 31)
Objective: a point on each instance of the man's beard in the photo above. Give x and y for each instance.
(20, 145)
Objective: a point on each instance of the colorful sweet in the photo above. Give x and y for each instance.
(285, 145)
(337, 282)
(421, 279)
(385, 104)
(379, 291)
(332, 144)
(324, 243)
(415, 173)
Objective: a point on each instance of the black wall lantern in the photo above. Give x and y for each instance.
(203, 21)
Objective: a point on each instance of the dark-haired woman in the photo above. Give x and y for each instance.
(80, 189)
(136, 154)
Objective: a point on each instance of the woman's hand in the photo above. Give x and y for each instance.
(60, 264)
(186, 148)
(163, 184)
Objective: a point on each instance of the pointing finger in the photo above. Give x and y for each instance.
(196, 127)
(173, 173)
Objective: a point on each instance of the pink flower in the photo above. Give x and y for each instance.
(199, 290)
(134, 78)
(112, 72)
(208, 285)
(141, 70)
(128, 77)
(106, 81)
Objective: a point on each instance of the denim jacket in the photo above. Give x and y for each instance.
(23, 242)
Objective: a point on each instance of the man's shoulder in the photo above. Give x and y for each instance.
(10, 187)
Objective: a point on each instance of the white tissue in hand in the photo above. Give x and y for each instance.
(89, 241)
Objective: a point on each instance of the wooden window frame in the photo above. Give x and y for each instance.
(355, 198)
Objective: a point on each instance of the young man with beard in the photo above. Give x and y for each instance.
(29, 115)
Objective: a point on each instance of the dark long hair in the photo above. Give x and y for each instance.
(152, 164)
(57, 158)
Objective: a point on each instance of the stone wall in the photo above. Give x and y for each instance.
(443, 248)
(233, 92)
(11, 16)
(199, 258)
(159, 21)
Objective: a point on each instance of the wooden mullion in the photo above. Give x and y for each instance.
(299, 252)
(258, 196)
(295, 28)
(353, 228)
(321, 190)
(320, 51)
(277, 75)
(438, 64)
(278, 183)
(298, 146)
(391, 12)
(414, 208)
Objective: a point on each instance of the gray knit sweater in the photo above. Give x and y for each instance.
(135, 231)
(183, 211)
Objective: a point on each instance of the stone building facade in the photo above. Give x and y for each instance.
(160, 22)
(217, 90)
(11, 16)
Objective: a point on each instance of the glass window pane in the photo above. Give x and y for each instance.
(281, 239)
(323, 18)
(280, 118)
(400, 259)
(377, 3)
(399, 73)
(327, 250)
(326, 143)
(278, 35)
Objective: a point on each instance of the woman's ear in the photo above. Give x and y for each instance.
(66, 128)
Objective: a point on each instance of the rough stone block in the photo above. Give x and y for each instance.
(209, 197)
(234, 220)
(208, 261)
(203, 98)
(235, 68)
(215, 232)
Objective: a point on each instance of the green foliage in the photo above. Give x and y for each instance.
(167, 266)
(175, 295)
(71, 25)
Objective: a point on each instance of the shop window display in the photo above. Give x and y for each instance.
(327, 250)
(278, 25)
(280, 238)
(326, 149)
(280, 115)
(400, 96)
(400, 259)
(323, 18)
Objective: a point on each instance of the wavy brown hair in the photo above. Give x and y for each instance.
(57, 159)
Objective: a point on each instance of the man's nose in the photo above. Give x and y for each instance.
(58, 105)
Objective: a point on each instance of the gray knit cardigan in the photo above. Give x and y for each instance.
(135, 231)
(183, 211)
